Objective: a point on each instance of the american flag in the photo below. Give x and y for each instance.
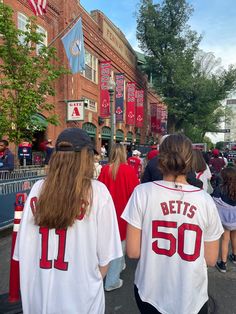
(38, 6)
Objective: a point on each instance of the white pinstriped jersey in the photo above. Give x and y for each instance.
(175, 222)
(59, 269)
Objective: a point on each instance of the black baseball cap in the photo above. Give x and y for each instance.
(76, 138)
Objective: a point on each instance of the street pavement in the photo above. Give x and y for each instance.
(222, 287)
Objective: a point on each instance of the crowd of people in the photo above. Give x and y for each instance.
(171, 214)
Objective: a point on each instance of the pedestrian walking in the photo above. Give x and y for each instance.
(225, 198)
(153, 172)
(202, 170)
(152, 153)
(97, 166)
(120, 179)
(68, 234)
(103, 151)
(49, 149)
(216, 165)
(6, 157)
(136, 162)
(174, 230)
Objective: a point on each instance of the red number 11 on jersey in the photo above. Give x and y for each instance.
(58, 263)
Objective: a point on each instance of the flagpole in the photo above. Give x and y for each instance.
(59, 34)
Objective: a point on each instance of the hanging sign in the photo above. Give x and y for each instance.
(119, 96)
(139, 107)
(75, 110)
(130, 103)
(105, 72)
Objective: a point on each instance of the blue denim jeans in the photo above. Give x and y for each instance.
(115, 268)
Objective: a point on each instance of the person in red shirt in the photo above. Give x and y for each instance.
(152, 153)
(120, 179)
(216, 162)
(216, 165)
(136, 162)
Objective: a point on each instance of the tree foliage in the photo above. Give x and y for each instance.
(27, 78)
(190, 81)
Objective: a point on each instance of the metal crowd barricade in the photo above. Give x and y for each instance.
(19, 185)
(21, 173)
(18, 181)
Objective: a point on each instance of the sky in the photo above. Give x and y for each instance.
(213, 19)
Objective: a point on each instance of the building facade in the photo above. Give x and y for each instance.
(103, 42)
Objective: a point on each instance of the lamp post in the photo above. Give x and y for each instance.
(111, 91)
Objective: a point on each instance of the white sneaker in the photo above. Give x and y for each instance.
(115, 287)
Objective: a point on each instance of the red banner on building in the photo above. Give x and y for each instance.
(130, 103)
(164, 116)
(105, 71)
(158, 119)
(139, 107)
(119, 96)
(153, 117)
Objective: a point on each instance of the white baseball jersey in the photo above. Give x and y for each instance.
(204, 176)
(59, 269)
(175, 222)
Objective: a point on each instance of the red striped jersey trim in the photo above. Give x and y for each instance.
(174, 189)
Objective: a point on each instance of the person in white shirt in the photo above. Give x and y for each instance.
(202, 170)
(103, 151)
(174, 230)
(97, 166)
(68, 234)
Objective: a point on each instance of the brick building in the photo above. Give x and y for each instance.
(103, 41)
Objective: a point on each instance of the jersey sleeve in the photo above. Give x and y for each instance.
(132, 212)
(208, 172)
(214, 229)
(108, 236)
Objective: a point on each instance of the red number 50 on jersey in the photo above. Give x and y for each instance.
(173, 241)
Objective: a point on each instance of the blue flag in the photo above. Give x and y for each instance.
(73, 42)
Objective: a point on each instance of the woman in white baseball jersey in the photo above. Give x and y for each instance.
(68, 234)
(174, 230)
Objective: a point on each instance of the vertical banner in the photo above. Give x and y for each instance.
(153, 117)
(119, 96)
(164, 115)
(158, 117)
(105, 71)
(130, 103)
(73, 42)
(139, 108)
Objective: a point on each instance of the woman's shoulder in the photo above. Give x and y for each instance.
(98, 186)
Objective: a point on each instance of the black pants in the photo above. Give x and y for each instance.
(147, 308)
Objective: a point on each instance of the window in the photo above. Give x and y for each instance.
(22, 22)
(91, 67)
(44, 42)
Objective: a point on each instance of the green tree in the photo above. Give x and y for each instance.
(27, 78)
(210, 85)
(170, 47)
(220, 145)
(190, 82)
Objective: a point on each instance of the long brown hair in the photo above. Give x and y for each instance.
(176, 155)
(67, 191)
(228, 184)
(199, 164)
(116, 157)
